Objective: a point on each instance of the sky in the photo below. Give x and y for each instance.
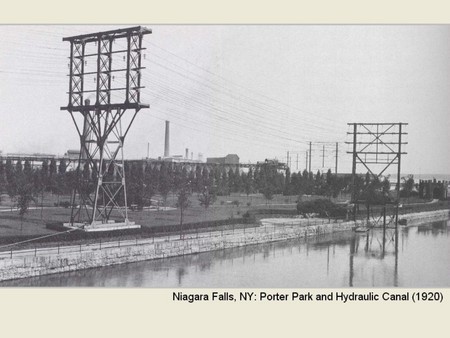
(253, 90)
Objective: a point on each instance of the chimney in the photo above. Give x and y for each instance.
(192, 155)
(187, 154)
(166, 141)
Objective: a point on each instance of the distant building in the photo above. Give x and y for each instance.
(72, 155)
(271, 161)
(34, 156)
(229, 159)
(178, 159)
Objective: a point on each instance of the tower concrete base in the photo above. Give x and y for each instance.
(100, 226)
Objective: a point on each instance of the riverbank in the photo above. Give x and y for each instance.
(71, 258)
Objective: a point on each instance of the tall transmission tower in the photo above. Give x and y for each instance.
(377, 146)
(99, 199)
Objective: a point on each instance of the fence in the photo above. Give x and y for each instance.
(276, 230)
(271, 229)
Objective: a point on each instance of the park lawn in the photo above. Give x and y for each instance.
(35, 220)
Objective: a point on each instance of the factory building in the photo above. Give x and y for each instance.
(229, 159)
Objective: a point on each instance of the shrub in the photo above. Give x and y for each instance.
(322, 207)
(64, 204)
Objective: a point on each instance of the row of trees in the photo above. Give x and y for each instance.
(323, 184)
(19, 177)
(145, 180)
(24, 184)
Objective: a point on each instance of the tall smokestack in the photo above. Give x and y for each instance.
(166, 140)
(187, 154)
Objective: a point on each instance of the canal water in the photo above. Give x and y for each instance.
(419, 258)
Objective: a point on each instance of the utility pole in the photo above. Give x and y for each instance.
(336, 168)
(297, 161)
(287, 159)
(309, 156)
(306, 161)
(398, 173)
(354, 173)
(323, 156)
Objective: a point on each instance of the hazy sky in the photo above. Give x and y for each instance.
(257, 91)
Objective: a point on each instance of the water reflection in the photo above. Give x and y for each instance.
(412, 257)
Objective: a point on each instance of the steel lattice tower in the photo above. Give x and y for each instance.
(103, 115)
(377, 146)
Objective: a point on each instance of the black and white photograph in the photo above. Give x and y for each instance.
(225, 156)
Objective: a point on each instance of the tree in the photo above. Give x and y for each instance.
(207, 197)
(164, 185)
(38, 187)
(177, 179)
(248, 182)
(44, 174)
(223, 183)
(87, 187)
(373, 192)
(318, 184)
(62, 166)
(2, 178)
(183, 202)
(328, 184)
(135, 185)
(150, 183)
(237, 181)
(386, 186)
(11, 180)
(267, 178)
(27, 170)
(198, 178)
(268, 192)
(25, 197)
(19, 168)
(52, 179)
(191, 178)
(287, 182)
(206, 179)
(308, 182)
(408, 186)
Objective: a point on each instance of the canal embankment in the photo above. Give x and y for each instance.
(31, 263)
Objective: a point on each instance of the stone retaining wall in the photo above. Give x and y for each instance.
(30, 266)
(425, 217)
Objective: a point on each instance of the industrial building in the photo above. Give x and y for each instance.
(229, 159)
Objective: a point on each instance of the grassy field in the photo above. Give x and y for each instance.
(43, 212)
(226, 207)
